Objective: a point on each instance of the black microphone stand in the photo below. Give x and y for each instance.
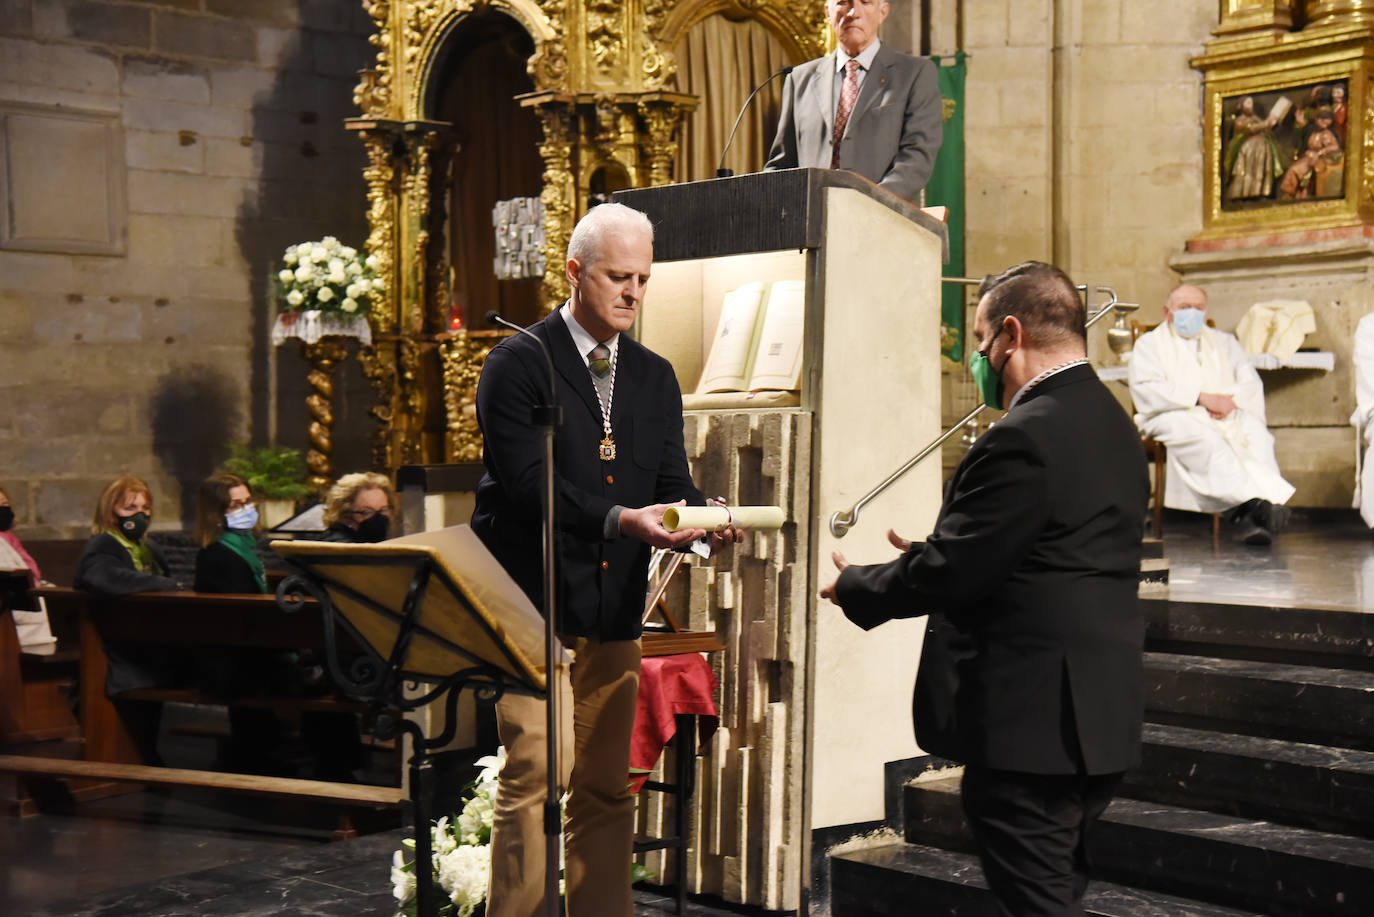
(547, 417)
(721, 171)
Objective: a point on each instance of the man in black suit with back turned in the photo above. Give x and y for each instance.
(620, 462)
(1031, 671)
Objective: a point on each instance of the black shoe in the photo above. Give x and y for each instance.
(1244, 512)
(1252, 532)
(1271, 516)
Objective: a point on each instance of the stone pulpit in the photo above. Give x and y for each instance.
(811, 706)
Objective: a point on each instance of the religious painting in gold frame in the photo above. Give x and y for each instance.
(1286, 146)
(1272, 165)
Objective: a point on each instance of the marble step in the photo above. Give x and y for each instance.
(1152, 548)
(1323, 706)
(1154, 576)
(1311, 636)
(1234, 862)
(1316, 786)
(885, 880)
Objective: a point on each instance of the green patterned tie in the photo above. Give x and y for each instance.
(599, 360)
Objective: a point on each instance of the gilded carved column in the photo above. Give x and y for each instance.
(662, 113)
(559, 196)
(1330, 12)
(323, 356)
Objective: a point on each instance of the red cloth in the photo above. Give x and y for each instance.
(669, 686)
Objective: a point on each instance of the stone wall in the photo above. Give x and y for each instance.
(1084, 143)
(226, 146)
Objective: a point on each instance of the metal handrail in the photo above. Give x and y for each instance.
(843, 520)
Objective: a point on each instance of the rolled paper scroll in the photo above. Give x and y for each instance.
(714, 518)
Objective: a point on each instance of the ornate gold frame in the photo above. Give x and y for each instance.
(602, 71)
(1269, 62)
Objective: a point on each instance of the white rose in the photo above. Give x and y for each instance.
(325, 294)
(364, 285)
(290, 256)
(295, 297)
(319, 254)
(378, 283)
(353, 291)
(305, 273)
(287, 275)
(372, 262)
(348, 251)
(355, 268)
(349, 305)
(329, 241)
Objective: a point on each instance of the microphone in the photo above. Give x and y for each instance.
(548, 415)
(721, 171)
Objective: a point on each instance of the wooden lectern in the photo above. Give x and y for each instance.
(811, 706)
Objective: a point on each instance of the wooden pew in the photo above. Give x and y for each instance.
(111, 758)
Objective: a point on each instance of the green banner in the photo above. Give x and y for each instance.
(946, 188)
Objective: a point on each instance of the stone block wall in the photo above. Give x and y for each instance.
(1083, 134)
(230, 146)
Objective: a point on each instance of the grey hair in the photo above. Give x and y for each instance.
(584, 245)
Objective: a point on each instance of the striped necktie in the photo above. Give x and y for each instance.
(848, 94)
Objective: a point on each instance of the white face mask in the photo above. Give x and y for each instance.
(1189, 322)
(242, 519)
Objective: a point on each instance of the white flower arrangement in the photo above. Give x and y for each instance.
(461, 851)
(330, 277)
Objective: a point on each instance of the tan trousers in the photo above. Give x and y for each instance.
(598, 712)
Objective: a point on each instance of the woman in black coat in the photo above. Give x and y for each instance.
(117, 561)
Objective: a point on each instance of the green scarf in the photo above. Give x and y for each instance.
(241, 543)
(139, 553)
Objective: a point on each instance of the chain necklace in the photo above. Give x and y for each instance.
(1045, 374)
(607, 447)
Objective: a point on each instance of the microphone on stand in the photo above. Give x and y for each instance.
(721, 171)
(547, 417)
(494, 317)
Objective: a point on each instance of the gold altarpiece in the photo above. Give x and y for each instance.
(1288, 207)
(603, 76)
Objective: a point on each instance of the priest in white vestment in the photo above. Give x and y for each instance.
(1196, 391)
(1363, 418)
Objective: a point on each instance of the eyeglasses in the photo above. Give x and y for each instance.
(236, 505)
(365, 514)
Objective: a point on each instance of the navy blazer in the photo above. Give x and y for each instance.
(1032, 659)
(601, 583)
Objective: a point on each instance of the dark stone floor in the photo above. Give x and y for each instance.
(159, 853)
(1321, 560)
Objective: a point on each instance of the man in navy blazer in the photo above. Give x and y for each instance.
(620, 462)
(1031, 670)
(896, 124)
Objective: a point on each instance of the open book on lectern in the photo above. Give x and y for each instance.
(471, 612)
(758, 340)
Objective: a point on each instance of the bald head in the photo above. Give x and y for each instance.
(1186, 296)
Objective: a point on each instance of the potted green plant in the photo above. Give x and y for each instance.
(275, 474)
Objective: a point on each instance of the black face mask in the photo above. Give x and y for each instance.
(132, 527)
(373, 529)
(6, 518)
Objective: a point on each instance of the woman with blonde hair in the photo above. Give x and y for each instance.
(357, 508)
(118, 561)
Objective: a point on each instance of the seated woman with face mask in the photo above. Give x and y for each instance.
(119, 561)
(357, 509)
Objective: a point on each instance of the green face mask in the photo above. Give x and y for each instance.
(988, 380)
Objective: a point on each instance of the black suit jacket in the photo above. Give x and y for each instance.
(601, 583)
(1032, 657)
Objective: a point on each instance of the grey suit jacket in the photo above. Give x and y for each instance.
(893, 133)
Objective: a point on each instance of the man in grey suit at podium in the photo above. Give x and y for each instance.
(866, 108)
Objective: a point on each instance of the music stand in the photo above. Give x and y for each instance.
(433, 608)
